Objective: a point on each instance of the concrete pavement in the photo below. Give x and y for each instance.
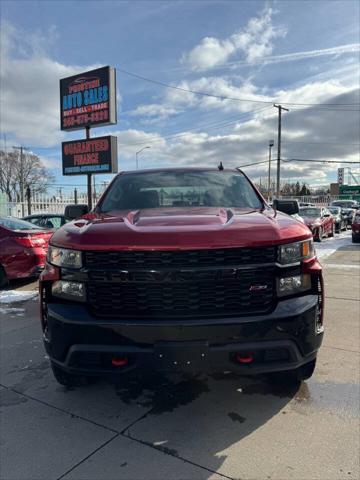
(186, 428)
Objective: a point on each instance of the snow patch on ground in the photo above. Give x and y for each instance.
(19, 312)
(15, 296)
(330, 245)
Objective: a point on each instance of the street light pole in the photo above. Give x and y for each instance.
(137, 155)
(271, 144)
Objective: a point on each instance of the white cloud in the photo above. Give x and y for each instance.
(351, 48)
(307, 133)
(29, 103)
(253, 41)
(155, 111)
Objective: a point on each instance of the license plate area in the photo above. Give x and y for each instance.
(181, 356)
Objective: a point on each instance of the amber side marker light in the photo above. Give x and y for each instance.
(306, 249)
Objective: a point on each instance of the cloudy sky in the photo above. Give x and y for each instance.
(242, 55)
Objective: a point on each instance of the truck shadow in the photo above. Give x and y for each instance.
(203, 419)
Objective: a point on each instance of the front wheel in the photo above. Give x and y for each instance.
(291, 377)
(3, 277)
(355, 238)
(332, 232)
(320, 235)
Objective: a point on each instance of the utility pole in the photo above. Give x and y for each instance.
(22, 196)
(271, 144)
(279, 107)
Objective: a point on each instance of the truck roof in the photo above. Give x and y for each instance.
(181, 169)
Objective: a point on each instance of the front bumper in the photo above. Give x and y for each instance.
(285, 339)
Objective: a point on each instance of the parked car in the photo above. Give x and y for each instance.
(340, 222)
(319, 220)
(182, 270)
(348, 209)
(23, 248)
(306, 204)
(47, 220)
(356, 228)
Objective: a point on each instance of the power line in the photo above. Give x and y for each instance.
(322, 143)
(181, 133)
(320, 108)
(300, 160)
(224, 97)
(319, 161)
(208, 127)
(251, 164)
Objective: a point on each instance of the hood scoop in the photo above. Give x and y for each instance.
(152, 218)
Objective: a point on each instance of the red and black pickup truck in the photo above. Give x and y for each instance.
(185, 270)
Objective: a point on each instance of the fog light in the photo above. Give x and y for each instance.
(69, 290)
(293, 285)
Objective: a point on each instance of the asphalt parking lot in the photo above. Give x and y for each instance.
(185, 428)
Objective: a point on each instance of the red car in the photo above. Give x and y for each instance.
(185, 270)
(356, 228)
(23, 248)
(319, 220)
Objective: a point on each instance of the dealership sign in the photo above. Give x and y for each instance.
(88, 99)
(93, 155)
(340, 176)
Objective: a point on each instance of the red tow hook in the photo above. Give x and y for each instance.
(119, 361)
(244, 357)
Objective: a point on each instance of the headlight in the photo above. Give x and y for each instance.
(293, 285)
(295, 252)
(69, 290)
(63, 257)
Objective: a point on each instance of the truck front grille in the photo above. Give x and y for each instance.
(194, 293)
(180, 259)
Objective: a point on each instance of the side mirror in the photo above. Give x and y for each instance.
(286, 206)
(72, 212)
(327, 215)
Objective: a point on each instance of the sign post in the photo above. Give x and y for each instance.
(340, 176)
(89, 100)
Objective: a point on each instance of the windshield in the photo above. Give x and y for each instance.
(180, 189)
(310, 212)
(335, 210)
(344, 204)
(15, 224)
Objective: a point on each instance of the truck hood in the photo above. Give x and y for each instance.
(176, 229)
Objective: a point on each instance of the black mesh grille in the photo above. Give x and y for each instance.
(250, 292)
(182, 259)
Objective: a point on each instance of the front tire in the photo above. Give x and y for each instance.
(3, 277)
(331, 234)
(68, 379)
(355, 238)
(293, 377)
(320, 235)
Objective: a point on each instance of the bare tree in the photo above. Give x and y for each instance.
(35, 174)
(7, 174)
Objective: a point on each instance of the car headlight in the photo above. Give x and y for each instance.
(295, 252)
(63, 257)
(293, 285)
